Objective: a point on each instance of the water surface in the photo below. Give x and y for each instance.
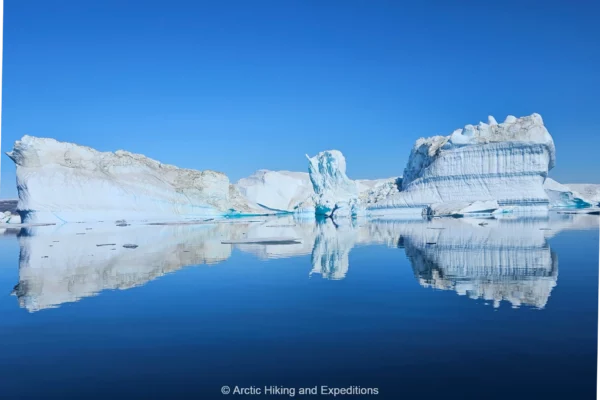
(459, 308)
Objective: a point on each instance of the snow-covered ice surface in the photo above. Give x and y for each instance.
(288, 191)
(505, 162)
(588, 191)
(563, 196)
(65, 182)
(278, 190)
(335, 193)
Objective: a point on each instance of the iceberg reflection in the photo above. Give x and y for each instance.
(490, 259)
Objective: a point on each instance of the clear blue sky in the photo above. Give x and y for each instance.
(237, 86)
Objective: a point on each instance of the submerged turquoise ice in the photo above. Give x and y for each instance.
(172, 311)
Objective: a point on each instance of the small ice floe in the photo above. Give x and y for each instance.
(278, 240)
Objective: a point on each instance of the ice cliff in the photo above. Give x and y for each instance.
(65, 182)
(505, 162)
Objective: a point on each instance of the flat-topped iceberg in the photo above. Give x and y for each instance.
(65, 182)
(505, 162)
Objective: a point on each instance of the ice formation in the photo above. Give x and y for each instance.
(65, 182)
(588, 191)
(489, 168)
(562, 196)
(505, 162)
(278, 190)
(335, 193)
(292, 192)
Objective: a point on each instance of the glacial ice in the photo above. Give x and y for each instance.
(488, 168)
(335, 193)
(460, 209)
(65, 182)
(591, 192)
(505, 162)
(278, 190)
(562, 196)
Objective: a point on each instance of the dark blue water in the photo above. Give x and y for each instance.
(417, 310)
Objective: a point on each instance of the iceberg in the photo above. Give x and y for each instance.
(292, 192)
(588, 191)
(507, 163)
(279, 190)
(561, 196)
(64, 182)
(335, 194)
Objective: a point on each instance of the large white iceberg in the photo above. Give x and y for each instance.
(505, 162)
(65, 182)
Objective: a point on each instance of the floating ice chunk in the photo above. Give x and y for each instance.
(463, 208)
(270, 241)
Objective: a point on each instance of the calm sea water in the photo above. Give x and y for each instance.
(465, 309)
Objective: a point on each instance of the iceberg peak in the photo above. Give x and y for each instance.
(335, 193)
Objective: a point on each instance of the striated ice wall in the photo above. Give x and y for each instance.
(506, 162)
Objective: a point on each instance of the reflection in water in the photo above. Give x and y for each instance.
(500, 261)
(490, 259)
